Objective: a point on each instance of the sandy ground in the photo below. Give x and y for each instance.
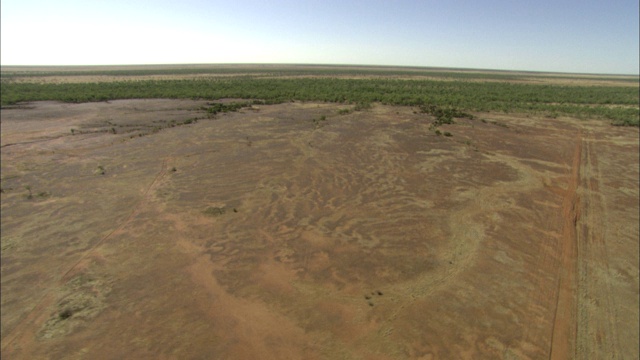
(272, 234)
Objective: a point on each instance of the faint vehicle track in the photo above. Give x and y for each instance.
(136, 210)
(21, 338)
(563, 332)
(597, 317)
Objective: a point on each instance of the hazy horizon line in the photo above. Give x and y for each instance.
(408, 67)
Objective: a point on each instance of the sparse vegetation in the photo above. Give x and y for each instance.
(215, 108)
(444, 115)
(215, 211)
(453, 98)
(360, 106)
(29, 194)
(317, 123)
(369, 297)
(65, 314)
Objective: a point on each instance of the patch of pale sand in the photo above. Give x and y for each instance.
(256, 330)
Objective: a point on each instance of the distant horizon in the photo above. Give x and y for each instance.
(550, 36)
(408, 67)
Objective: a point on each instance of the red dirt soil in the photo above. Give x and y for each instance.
(272, 234)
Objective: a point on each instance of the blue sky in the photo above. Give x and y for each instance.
(589, 36)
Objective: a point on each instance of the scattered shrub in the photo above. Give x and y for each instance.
(29, 194)
(214, 211)
(362, 106)
(65, 314)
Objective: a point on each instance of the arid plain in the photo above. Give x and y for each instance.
(300, 231)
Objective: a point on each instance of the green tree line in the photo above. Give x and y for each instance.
(618, 104)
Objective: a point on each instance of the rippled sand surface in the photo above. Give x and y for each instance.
(292, 231)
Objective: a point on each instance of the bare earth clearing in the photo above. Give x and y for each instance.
(271, 234)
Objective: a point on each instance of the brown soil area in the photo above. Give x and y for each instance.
(271, 234)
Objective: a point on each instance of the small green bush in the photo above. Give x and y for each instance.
(214, 211)
(29, 194)
(362, 106)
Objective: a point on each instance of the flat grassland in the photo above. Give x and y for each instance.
(315, 212)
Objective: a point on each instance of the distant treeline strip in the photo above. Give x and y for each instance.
(331, 71)
(304, 70)
(617, 104)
